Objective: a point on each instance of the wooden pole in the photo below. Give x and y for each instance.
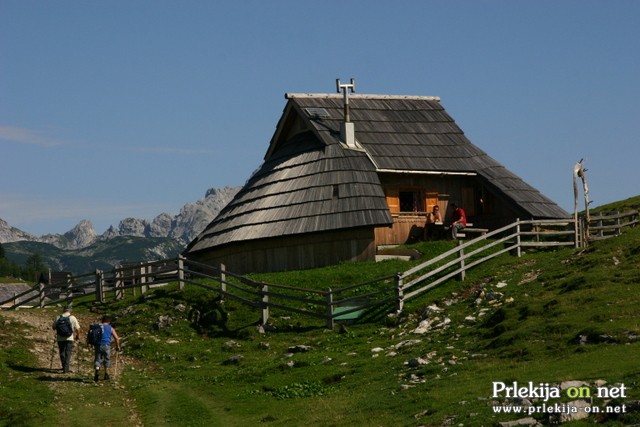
(576, 167)
(518, 242)
(181, 272)
(99, 286)
(329, 312)
(462, 269)
(265, 303)
(143, 279)
(399, 292)
(41, 294)
(223, 282)
(119, 284)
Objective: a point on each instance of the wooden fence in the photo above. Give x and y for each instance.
(384, 294)
(610, 224)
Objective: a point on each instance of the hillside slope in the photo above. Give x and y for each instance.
(564, 320)
(103, 254)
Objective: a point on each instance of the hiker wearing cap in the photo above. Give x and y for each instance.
(67, 327)
(103, 347)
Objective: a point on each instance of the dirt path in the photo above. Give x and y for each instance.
(46, 351)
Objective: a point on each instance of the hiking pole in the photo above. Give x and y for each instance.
(78, 356)
(115, 371)
(53, 352)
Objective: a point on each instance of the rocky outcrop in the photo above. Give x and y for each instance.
(80, 236)
(194, 217)
(12, 234)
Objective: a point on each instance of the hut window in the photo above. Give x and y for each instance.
(411, 201)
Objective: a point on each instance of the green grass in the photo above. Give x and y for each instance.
(559, 315)
(24, 401)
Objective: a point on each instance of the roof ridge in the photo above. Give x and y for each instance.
(360, 96)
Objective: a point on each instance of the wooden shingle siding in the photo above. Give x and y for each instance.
(292, 252)
(304, 187)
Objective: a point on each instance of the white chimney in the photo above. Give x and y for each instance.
(347, 129)
(348, 134)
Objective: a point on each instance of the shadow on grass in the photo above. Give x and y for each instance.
(50, 375)
(61, 379)
(32, 369)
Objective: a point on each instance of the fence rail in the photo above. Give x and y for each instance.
(386, 293)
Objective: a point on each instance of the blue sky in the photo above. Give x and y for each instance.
(129, 109)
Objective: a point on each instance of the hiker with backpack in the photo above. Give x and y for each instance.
(67, 327)
(101, 335)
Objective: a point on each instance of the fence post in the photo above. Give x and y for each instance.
(265, 303)
(118, 284)
(181, 272)
(99, 286)
(69, 291)
(329, 309)
(518, 242)
(461, 252)
(618, 223)
(41, 294)
(399, 292)
(600, 223)
(143, 279)
(223, 282)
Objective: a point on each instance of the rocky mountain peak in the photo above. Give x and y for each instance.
(12, 234)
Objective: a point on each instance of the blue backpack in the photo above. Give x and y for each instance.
(95, 334)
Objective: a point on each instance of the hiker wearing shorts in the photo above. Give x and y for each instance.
(103, 349)
(66, 326)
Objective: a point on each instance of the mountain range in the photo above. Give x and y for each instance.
(81, 249)
(183, 227)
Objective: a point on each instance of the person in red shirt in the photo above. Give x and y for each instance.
(459, 220)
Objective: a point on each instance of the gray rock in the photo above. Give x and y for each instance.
(299, 349)
(164, 322)
(416, 361)
(528, 421)
(234, 360)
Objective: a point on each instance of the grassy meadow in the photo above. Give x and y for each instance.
(547, 317)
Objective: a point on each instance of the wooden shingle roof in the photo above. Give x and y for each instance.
(407, 134)
(306, 186)
(311, 182)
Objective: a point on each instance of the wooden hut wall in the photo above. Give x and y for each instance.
(483, 205)
(293, 252)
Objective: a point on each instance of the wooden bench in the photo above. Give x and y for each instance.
(473, 230)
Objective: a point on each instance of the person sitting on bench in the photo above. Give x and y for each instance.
(459, 220)
(434, 227)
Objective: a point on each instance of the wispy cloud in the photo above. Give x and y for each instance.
(27, 136)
